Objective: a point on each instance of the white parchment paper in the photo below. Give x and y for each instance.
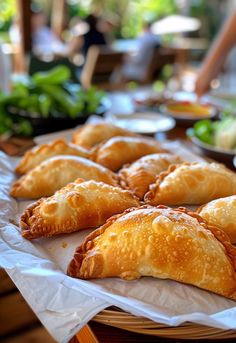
(64, 304)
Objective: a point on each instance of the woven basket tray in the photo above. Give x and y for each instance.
(123, 320)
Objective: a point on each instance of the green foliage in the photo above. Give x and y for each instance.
(144, 10)
(48, 95)
(130, 14)
(7, 11)
(76, 10)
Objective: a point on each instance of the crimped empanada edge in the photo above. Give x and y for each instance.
(26, 231)
(22, 166)
(153, 188)
(122, 176)
(88, 243)
(126, 180)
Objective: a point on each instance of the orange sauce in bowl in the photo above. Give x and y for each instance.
(189, 109)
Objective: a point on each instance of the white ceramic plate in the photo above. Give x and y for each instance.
(145, 122)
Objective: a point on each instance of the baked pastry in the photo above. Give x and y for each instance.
(90, 135)
(56, 172)
(120, 150)
(221, 213)
(159, 242)
(143, 172)
(79, 205)
(40, 153)
(192, 183)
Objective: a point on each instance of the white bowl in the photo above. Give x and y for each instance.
(144, 122)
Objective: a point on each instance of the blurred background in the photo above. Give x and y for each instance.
(121, 23)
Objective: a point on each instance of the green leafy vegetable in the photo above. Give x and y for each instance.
(55, 76)
(48, 95)
(221, 133)
(225, 133)
(204, 130)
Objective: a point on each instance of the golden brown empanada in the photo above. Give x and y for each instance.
(79, 205)
(143, 172)
(120, 150)
(192, 183)
(56, 172)
(221, 213)
(159, 242)
(40, 153)
(90, 135)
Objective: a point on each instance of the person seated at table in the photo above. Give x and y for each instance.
(93, 36)
(216, 56)
(44, 40)
(136, 64)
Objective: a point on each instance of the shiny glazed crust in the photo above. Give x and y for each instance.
(142, 173)
(161, 242)
(79, 205)
(56, 172)
(40, 153)
(192, 183)
(118, 151)
(221, 213)
(92, 134)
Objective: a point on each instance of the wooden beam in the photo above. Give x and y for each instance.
(25, 24)
(57, 16)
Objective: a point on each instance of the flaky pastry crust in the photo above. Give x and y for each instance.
(40, 153)
(118, 151)
(142, 173)
(192, 183)
(221, 213)
(160, 242)
(79, 205)
(90, 135)
(56, 172)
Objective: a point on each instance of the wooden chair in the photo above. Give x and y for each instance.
(101, 62)
(160, 57)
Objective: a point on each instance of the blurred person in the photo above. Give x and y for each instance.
(216, 56)
(136, 65)
(44, 41)
(106, 25)
(93, 36)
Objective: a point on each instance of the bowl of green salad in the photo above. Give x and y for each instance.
(216, 139)
(48, 101)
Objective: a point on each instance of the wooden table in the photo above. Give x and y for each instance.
(94, 332)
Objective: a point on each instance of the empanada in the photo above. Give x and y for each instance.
(221, 213)
(159, 242)
(56, 172)
(90, 135)
(192, 183)
(40, 153)
(79, 205)
(120, 150)
(143, 172)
